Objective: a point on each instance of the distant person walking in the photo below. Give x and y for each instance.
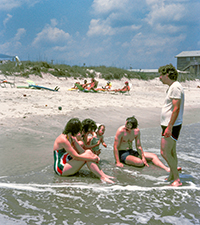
(171, 119)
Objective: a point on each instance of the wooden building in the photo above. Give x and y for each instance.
(189, 61)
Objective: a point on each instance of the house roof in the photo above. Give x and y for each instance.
(188, 54)
(3, 56)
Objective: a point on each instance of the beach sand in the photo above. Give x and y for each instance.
(21, 106)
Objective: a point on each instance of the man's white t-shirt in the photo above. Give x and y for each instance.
(175, 91)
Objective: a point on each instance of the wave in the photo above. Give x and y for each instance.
(94, 187)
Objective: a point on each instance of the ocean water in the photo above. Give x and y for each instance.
(31, 193)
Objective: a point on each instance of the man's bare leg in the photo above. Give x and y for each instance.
(155, 160)
(134, 161)
(168, 151)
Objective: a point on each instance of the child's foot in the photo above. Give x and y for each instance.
(107, 180)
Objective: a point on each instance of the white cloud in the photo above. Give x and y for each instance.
(14, 43)
(6, 5)
(54, 22)
(51, 35)
(161, 12)
(148, 46)
(19, 34)
(170, 29)
(99, 27)
(106, 6)
(7, 19)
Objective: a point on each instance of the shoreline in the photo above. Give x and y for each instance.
(147, 118)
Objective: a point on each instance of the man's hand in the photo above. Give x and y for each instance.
(120, 164)
(168, 132)
(145, 161)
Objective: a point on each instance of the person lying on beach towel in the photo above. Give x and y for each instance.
(124, 89)
(69, 156)
(84, 85)
(75, 87)
(92, 85)
(106, 88)
(87, 89)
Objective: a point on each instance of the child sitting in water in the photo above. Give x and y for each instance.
(98, 138)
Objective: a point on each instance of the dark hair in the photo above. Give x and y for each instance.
(88, 124)
(73, 126)
(132, 120)
(170, 70)
(99, 127)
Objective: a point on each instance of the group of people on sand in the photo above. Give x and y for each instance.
(79, 142)
(93, 86)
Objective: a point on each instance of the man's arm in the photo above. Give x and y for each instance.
(139, 148)
(176, 108)
(117, 142)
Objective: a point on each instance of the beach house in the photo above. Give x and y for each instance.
(189, 61)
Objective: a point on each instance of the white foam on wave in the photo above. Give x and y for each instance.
(190, 158)
(95, 187)
(38, 188)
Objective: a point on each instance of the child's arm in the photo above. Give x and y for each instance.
(103, 142)
(90, 146)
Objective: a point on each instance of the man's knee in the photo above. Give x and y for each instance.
(141, 164)
(137, 162)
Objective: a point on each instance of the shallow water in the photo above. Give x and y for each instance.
(31, 193)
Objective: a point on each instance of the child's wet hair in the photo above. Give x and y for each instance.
(88, 125)
(73, 126)
(99, 127)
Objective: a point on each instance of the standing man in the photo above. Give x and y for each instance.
(171, 119)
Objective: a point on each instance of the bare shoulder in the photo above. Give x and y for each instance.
(136, 131)
(120, 130)
(61, 139)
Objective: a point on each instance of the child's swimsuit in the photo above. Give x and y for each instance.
(61, 157)
(93, 142)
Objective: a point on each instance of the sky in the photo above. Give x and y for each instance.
(138, 34)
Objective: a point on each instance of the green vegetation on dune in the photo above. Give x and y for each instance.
(63, 70)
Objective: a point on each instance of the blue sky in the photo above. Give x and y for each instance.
(122, 33)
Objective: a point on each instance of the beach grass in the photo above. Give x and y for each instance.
(62, 70)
